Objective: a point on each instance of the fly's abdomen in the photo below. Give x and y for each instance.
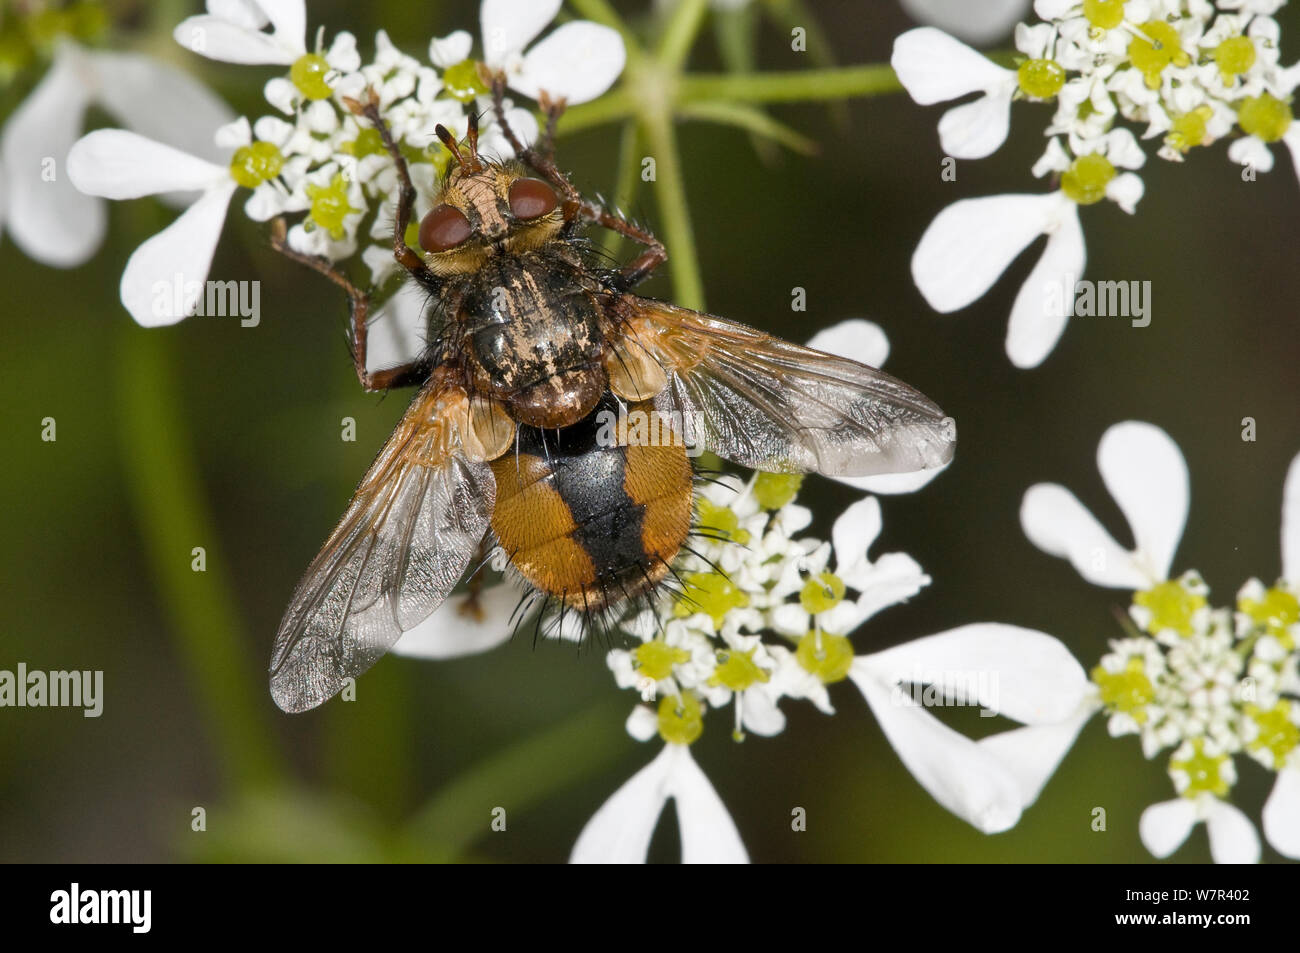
(591, 522)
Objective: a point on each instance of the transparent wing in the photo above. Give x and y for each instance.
(771, 405)
(406, 538)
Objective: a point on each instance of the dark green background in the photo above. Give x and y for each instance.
(259, 409)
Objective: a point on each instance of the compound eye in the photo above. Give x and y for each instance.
(444, 228)
(531, 198)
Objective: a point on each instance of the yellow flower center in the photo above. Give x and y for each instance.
(1156, 47)
(826, 656)
(681, 718)
(737, 670)
(774, 490)
(462, 81)
(1189, 129)
(711, 593)
(722, 520)
(308, 76)
(1104, 14)
(1265, 117)
(1086, 179)
(1171, 606)
(1234, 55)
(1278, 734)
(655, 659)
(1041, 79)
(329, 206)
(253, 164)
(821, 592)
(1129, 691)
(1204, 772)
(1277, 611)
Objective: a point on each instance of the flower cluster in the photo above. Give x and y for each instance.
(1182, 73)
(310, 157)
(1203, 683)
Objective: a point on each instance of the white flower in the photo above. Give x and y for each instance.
(1027, 676)
(1233, 839)
(971, 242)
(933, 68)
(977, 21)
(1145, 473)
(170, 268)
(575, 63)
(49, 219)
(619, 832)
(453, 629)
(233, 31)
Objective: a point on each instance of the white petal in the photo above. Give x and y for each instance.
(1165, 826)
(180, 254)
(976, 129)
(855, 531)
(1291, 524)
(450, 49)
(1026, 675)
(118, 164)
(1126, 190)
(288, 21)
(892, 483)
(576, 63)
(934, 67)
(856, 339)
(1252, 151)
(761, 714)
(962, 777)
(1032, 753)
(1044, 302)
(1057, 523)
(507, 25)
(971, 242)
(245, 13)
(1282, 814)
(161, 102)
(893, 578)
(1233, 838)
(709, 835)
(49, 219)
(397, 330)
(1145, 472)
(219, 39)
(977, 22)
(449, 632)
(620, 830)
(1292, 139)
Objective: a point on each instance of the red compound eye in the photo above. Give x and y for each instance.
(531, 198)
(444, 228)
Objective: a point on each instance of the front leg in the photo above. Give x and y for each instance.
(359, 304)
(406, 256)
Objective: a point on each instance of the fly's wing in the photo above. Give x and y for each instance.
(771, 405)
(405, 540)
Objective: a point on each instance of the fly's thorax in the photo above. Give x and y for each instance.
(588, 521)
(532, 329)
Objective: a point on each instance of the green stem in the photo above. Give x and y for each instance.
(674, 211)
(791, 87)
(166, 490)
(679, 34)
(614, 106)
(751, 120)
(625, 185)
(516, 779)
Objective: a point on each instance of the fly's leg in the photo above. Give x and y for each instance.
(359, 304)
(406, 256)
